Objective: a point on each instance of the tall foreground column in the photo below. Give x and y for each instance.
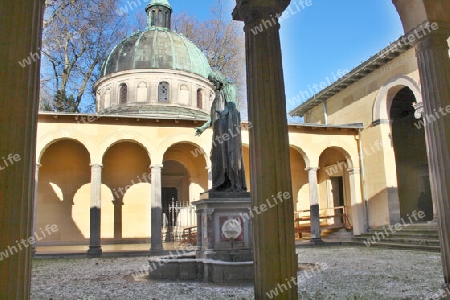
(434, 68)
(275, 261)
(35, 197)
(95, 248)
(156, 240)
(20, 36)
(314, 205)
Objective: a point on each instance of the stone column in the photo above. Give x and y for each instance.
(434, 68)
(275, 260)
(35, 198)
(156, 240)
(357, 207)
(314, 205)
(20, 36)
(95, 248)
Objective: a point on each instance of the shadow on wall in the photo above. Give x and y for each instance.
(65, 169)
(384, 208)
(54, 206)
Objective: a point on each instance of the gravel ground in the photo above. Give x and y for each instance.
(350, 273)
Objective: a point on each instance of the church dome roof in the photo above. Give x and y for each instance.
(157, 48)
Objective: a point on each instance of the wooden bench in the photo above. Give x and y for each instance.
(299, 228)
(189, 236)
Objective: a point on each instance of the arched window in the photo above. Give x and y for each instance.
(153, 21)
(163, 92)
(123, 93)
(199, 99)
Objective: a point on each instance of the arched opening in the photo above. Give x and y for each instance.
(192, 159)
(65, 169)
(123, 93)
(126, 171)
(199, 99)
(163, 92)
(175, 181)
(408, 140)
(184, 177)
(334, 188)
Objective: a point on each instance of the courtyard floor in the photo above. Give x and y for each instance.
(348, 272)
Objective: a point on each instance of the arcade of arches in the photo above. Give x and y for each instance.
(377, 101)
(126, 155)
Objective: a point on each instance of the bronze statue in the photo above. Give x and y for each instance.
(226, 155)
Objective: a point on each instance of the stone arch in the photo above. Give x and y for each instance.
(58, 135)
(177, 139)
(337, 187)
(351, 153)
(303, 154)
(387, 92)
(344, 152)
(121, 136)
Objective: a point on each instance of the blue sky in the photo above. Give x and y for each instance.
(320, 39)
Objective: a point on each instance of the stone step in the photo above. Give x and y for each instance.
(431, 235)
(400, 246)
(406, 240)
(408, 228)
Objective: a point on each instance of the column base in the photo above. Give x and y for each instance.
(317, 241)
(434, 221)
(95, 251)
(156, 249)
(315, 222)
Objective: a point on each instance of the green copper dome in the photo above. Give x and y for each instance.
(157, 47)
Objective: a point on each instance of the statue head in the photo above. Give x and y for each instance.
(217, 79)
(221, 83)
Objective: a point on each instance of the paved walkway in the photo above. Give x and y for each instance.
(345, 273)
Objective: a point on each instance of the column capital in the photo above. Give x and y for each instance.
(250, 11)
(429, 34)
(96, 166)
(209, 211)
(353, 171)
(418, 110)
(312, 169)
(156, 166)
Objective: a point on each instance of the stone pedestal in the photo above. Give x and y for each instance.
(224, 227)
